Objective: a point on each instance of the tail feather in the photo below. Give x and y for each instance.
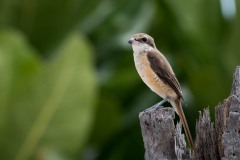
(178, 108)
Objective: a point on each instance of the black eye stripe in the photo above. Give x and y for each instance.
(144, 39)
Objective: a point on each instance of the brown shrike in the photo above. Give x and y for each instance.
(157, 74)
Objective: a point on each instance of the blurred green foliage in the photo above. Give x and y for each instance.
(68, 85)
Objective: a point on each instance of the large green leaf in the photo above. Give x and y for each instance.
(45, 105)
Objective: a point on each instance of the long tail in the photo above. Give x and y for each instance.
(178, 108)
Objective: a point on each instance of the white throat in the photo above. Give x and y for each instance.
(137, 49)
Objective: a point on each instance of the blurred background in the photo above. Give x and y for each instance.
(68, 85)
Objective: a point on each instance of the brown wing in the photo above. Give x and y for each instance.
(163, 70)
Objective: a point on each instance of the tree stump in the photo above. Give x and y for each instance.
(162, 140)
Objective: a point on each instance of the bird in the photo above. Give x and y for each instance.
(157, 73)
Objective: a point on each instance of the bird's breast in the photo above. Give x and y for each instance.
(150, 78)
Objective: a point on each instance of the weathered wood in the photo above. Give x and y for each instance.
(181, 150)
(158, 133)
(205, 143)
(222, 141)
(231, 134)
(221, 113)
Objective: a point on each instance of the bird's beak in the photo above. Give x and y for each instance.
(130, 41)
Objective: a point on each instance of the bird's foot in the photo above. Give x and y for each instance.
(158, 105)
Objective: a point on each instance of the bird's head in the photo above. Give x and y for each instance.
(141, 42)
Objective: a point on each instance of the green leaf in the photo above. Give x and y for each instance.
(48, 105)
(19, 67)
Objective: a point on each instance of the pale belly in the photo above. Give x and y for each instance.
(151, 79)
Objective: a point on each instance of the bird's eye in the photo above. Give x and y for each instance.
(144, 39)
